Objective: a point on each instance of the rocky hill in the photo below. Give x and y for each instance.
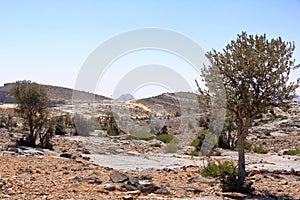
(57, 94)
(172, 103)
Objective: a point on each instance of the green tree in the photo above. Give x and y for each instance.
(255, 72)
(32, 105)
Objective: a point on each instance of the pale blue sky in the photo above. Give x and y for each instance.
(48, 41)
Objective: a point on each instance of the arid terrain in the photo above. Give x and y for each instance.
(100, 166)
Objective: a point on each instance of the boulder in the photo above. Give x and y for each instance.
(118, 178)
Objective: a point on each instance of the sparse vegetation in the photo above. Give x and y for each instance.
(247, 146)
(243, 66)
(292, 152)
(141, 135)
(32, 106)
(218, 153)
(228, 139)
(165, 138)
(196, 140)
(195, 153)
(156, 145)
(260, 150)
(217, 170)
(267, 132)
(110, 121)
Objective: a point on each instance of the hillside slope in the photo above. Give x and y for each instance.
(55, 93)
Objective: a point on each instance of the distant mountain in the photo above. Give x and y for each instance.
(126, 97)
(56, 94)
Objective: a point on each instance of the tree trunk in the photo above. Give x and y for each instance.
(241, 162)
(32, 136)
(243, 129)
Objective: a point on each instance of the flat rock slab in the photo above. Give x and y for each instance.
(142, 162)
(268, 161)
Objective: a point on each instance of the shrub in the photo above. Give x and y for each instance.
(141, 135)
(204, 137)
(273, 118)
(165, 138)
(228, 139)
(195, 153)
(156, 145)
(260, 150)
(218, 153)
(267, 132)
(247, 146)
(196, 140)
(104, 128)
(292, 152)
(214, 170)
(32, 105)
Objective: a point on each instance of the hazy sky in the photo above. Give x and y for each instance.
(48, 41)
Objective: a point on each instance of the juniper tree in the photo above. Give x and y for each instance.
(255, 72)
(32, 105)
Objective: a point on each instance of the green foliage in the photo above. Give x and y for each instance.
(8, 122)
(255, 72)
(292, 152)
(282, 117)
(214, 170)
(141, 135)
(109, 124)
(156, 145)
(196, 140)
(267, 132)
(104, 128)
(247, 146)
(228, 139)
(165, 138)
(273, 118)
(32, 105)
(218, 153)
(260, 150)
(195, 153)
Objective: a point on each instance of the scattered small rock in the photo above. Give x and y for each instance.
(133, 181)
(86, 158)
(86, 151)
(127, 197)
(234, 195)
(65, 155)
(118, 178)
(162, 191)
(188, 189)
(109, 187)
(80, 179)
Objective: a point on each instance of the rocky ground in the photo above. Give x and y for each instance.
(123, 168)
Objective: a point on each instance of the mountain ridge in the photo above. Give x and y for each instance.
(57, 94)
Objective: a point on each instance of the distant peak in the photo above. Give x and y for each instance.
(126, 97)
